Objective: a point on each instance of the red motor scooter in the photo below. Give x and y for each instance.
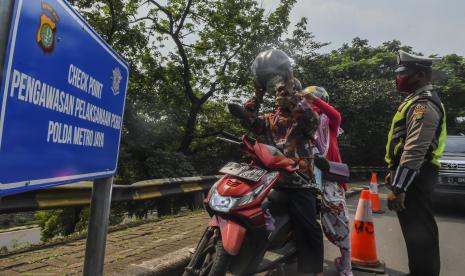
(237, 239)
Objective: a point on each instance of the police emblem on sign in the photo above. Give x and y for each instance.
(47, 28)
(116, 81)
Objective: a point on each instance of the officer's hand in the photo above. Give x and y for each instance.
(396, 202)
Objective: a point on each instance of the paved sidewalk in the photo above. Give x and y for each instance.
(131, 246)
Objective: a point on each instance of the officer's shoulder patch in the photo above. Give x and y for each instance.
(419, 111)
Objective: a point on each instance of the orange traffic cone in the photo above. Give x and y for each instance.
(375, 204)
(364, 256)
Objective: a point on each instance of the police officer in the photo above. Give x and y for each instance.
(415, 143)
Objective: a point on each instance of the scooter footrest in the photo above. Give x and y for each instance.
(275, 257)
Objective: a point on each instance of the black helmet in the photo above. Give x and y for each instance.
(270, 63)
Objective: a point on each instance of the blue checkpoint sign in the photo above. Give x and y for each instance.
(62, 99)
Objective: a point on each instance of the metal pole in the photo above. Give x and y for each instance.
(6, 8)
(98, 226)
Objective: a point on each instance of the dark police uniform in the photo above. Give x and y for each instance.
(415, 143)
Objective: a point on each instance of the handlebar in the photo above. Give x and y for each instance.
(230, 136)
(228, 140)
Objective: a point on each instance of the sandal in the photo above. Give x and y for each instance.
(337, 263)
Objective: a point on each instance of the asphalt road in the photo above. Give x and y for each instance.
(390, 243)
(19, 238)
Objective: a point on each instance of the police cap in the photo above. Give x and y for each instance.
(407, 61)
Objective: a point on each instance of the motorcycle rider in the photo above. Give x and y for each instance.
(290, 128)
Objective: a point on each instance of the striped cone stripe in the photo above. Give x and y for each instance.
(364, 210)
(375, 202)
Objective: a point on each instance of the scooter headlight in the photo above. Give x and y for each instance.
(221, 203)
(225, 203)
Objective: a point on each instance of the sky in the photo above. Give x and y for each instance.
(429, 26)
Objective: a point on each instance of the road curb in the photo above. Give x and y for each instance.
(174, 262)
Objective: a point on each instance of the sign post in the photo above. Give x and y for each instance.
(62, 96)
(98, 227)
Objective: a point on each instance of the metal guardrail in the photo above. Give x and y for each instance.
(79, 194)
(364, 169)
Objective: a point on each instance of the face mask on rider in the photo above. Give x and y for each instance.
(406, 82)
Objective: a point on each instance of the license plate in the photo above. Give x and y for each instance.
(243, 171)
(450, 180)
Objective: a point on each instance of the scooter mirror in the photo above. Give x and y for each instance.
(237, 111)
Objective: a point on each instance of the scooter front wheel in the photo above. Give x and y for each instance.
(210, 258)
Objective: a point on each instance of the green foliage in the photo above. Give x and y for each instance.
(59, 222)
(451, 84)
(214, 42)
(176, 100)
(360, 78)
(16, 219)
(367, 107)
(64, 222)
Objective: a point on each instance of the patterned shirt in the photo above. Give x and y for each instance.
(291, 132)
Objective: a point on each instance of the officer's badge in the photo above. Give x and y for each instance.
(47, 28)
(419, 111)
(115, 87)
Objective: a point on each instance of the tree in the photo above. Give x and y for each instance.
(359, 79)
(451, 84)
(214, 41)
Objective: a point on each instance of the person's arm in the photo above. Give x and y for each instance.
(333, 115)
(423, 119)
(307, 120)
